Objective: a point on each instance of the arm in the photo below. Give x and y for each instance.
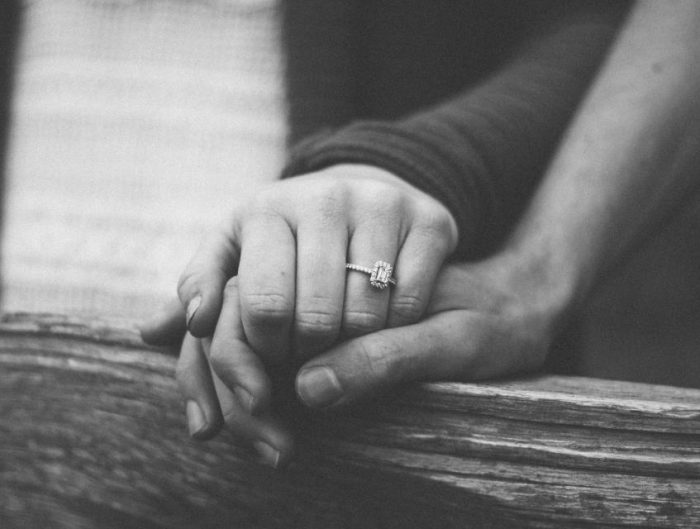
(482, 153)
(629, 158)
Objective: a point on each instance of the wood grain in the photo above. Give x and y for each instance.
(92, 435)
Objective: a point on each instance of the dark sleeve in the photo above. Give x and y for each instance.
(10, 15)
(482, 153)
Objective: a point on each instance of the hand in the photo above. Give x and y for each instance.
(209, 402)
(485, 319)
(289, 248)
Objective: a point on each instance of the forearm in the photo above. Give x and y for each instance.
(628, 159)
(482, 153)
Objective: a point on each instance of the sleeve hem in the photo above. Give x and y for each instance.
(387, 146)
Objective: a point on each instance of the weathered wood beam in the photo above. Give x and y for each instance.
(92, 435)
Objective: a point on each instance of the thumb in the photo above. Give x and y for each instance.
(453, 345)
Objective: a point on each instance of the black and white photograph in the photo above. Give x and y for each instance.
(349, 264)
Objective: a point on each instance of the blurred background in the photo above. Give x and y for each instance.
(133, 123)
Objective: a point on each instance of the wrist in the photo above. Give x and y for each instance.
(545, 281)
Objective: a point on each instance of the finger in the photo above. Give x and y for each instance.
(449, 346)
(204, 418)
(232, 359)
(320, 290)
(264, 433)
(419, 261)
(267, 285)
(375, 239)
(201, 285)
(167, 327)
(271, 440)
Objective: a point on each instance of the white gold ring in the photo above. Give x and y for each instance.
(379, 275)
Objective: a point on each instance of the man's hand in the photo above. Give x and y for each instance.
(485, 319)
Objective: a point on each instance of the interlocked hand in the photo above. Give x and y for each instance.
(485, 319)
(307, 264)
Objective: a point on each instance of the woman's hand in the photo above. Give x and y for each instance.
(289, 248)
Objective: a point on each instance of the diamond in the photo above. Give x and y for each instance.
(381, 275)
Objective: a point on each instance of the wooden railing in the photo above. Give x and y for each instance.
(92, 435)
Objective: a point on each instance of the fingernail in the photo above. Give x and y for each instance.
(196, 422)
(246, 400)
(269, 455)
(192, 307)
(318, 387)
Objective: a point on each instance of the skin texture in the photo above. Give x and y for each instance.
(289, 248)
(629, 159)
(483, 320)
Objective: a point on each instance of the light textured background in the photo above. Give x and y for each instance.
(134, 124)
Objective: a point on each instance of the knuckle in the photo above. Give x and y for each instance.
(264, 208)
(327, 191)
(360, 322)
(317, 324)
(378, 361)
(330, 207)
(385, 198)
(264, 215)
(264, 200)
(437, 225)
(267, 309)
(407, 308)
(326, 202)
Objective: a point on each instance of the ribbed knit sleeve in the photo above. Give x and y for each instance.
(481, 153)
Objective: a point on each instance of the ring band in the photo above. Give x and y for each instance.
(379, 275)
